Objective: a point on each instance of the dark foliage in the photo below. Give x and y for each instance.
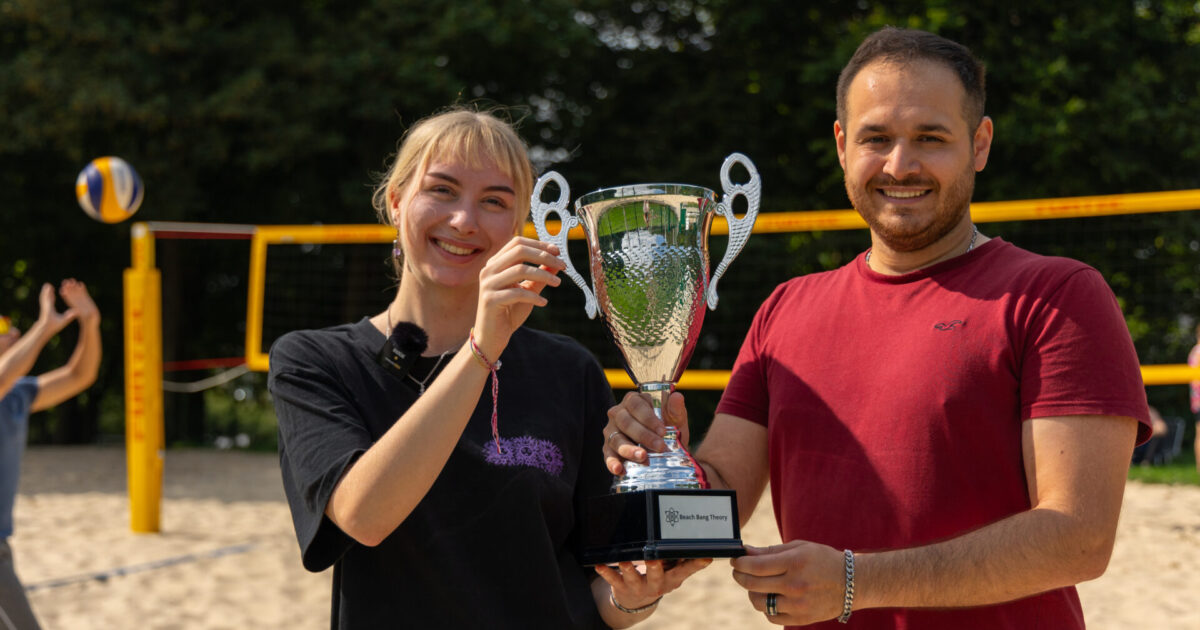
(281, 112)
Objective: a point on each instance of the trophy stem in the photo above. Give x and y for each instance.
(659, 394)
(673, 468)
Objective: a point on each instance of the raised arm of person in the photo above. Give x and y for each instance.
(379, 490)
(1075, 467)
(80, 370)
(19, 359)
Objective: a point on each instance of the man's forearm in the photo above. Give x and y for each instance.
(1027, 553)
(734, 457)
(747, 498)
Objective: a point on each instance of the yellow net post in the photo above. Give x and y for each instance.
(143, 383)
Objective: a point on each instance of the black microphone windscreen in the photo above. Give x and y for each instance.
(409, 338)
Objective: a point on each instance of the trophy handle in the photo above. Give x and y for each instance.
(739, 229)
(538, 211)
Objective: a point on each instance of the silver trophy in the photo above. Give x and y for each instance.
(648, 249)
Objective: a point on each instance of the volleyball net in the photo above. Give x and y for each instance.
(233, 289)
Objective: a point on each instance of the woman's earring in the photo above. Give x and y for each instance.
(396, 246)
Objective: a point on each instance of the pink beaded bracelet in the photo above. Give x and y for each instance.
(492, 367)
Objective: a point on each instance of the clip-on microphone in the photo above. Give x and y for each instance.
(402, 348)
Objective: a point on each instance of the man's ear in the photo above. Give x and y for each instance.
(983, 142)
(839, 136)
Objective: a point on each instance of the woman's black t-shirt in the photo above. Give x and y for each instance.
(493, 543)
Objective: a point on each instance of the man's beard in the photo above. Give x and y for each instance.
(955, 202)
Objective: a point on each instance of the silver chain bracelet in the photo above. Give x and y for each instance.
(632, 611)
(848, 602)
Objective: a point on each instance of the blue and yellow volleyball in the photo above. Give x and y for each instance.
(109, 190)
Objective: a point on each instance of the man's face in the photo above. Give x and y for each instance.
(907, 152)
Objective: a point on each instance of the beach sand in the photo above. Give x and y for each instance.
(227, 557)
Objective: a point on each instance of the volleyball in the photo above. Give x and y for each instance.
(109, 190)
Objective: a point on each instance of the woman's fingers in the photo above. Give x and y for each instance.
(529, 252)
(683, 570)
(524, 265)
(644, 582)
(510, 285)
(526, 277)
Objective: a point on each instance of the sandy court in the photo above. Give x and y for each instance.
(72, 519)
(227, 557)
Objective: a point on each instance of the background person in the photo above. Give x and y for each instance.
(1194, 395)
(20, 395)
(439, 498)
(946, 422)
(1164, 442)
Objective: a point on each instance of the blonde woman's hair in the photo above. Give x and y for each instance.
(461, 134)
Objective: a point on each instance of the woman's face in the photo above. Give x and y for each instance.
(452, 219)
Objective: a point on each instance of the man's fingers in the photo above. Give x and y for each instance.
(613, 439)
(618, 446)
(756, 583)
(633, 452)
(636, 419)
(633, 429)
(764, 561)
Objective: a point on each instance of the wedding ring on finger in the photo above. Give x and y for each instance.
(611, 436)
(771, 609)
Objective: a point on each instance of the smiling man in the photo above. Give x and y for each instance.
(910, 150)
(945, 422)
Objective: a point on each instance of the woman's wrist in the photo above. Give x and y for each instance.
(612, 597)
(490, 343)
(488, 359)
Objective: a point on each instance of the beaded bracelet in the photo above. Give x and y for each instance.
(633, 611)
(492, 367)
(848, 602)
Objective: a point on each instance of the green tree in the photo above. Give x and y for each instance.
(275, 112)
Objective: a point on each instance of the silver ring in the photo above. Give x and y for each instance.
(771, 609)
(610, 436)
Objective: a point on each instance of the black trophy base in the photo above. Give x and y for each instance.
(661, 524)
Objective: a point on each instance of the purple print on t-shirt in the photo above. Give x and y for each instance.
(525, 451)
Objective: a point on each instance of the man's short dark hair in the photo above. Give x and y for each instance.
(903, 46)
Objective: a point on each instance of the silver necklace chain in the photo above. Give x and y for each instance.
(421, 383)
(970, 246)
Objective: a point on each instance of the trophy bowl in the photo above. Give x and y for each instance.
(649, 264)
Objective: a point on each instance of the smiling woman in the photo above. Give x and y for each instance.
(407, 469)
(456, 217)
(479, 142)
